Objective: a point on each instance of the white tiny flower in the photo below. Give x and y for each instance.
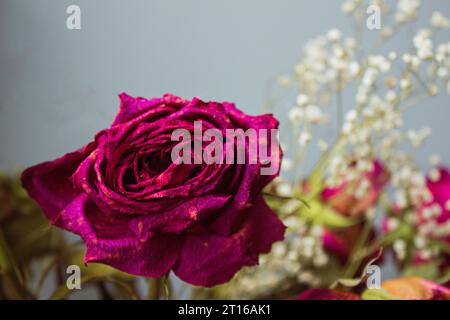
(351, 116)
(427, 213)
(296, 115)
(284, 80)
(400, 199)
(334, 35)
(420, 242)
(323, 145)
(302, 100)
(433, 90)
(317, 230)
(353, 69)
(438, 20)
(348, 7)
(391, 96)
(304, 138)
(407, 58)
(405, 83)
(387, 32)
(442, 72)
(434, 160)
(284, 189)
(313, 114)
(399, 247)
(392, 224)
(320, 260)
(434, 175)
(347, 128)
(392, 55)
(286, 164)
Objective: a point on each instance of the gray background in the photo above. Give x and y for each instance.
(59, 87)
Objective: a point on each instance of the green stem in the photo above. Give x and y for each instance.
(12, 273)
(154, 289)
(355, 258)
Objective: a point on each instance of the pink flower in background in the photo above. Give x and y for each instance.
(342, 199)
(438, 208)
(141, 213)
(434, 215)
(327, 294)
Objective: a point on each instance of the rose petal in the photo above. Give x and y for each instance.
(208, 259)
(414, 288)
(48, 183)
(327, 294)
(108, 240)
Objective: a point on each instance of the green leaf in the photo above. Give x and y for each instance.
(377, 294)
(428, 271)
(321, 214)
(445, 277)
(62, 292)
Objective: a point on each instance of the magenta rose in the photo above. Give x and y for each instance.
(140, 212)
(342, 199)
(327, 294)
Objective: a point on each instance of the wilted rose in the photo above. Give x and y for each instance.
(141, 213)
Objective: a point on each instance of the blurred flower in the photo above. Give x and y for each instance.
(414, 288)
(327, 294)
(438, 20)
(354, 198)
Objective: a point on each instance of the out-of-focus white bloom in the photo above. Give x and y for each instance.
(438, 20)
(313, 114)
(334, 35)
(399, 247)
(420, 242)
(284, 189)
(349, 6)
(417, 138)
(434, 175)
(392, 224)
(442, 72)
(392, 55)
(405, 83)
(353, 68)
(379, 62)
(302, 100)
(351, 116)
(323, 145)
(423, 44)
(435, 160)
(407, 10)
(284, 80)
(304, 138)
(286, 164)
(387, 32)
(296, 115)
(400, 199)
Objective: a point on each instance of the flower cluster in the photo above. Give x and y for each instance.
(367, 174)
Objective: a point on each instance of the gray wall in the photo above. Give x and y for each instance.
(58, 87)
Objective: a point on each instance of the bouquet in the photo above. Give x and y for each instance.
(161, 196)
